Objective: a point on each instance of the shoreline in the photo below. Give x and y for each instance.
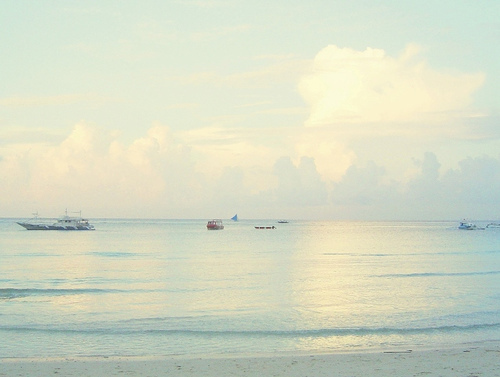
(471, 360)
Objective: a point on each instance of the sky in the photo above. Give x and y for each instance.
(317, 110)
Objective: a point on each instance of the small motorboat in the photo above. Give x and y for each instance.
(215, 224)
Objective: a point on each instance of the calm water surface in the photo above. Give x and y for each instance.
(170, 287)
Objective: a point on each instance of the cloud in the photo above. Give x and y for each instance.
(468, 191)
(95, 169)
(362, 186)
(65, 99)
(285, 69)
(163, 175)
(331, 156)
(183, 106)
(13, 136)
(219, 32)
(299, 185)
(215, 148)
(207, 4)
(273, 166)
(475, 182)
(425, 185)
(209, 173)
(157, 175)
(346, 86)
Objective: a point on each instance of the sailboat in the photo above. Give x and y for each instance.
(235, 217)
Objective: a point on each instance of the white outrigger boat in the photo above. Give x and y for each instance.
(63, 223)
(467, 225)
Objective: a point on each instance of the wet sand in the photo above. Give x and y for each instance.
(471, 361)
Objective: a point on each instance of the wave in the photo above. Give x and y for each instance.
(13, 293)
(396, 254)
(304, 333)
(113, 254)
(438, 274)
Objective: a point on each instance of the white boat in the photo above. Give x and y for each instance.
(467, 226)
(63, 223)
(215, 224)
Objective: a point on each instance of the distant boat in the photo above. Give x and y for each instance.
(467, 226)
(282, 221)
(63, 223)
(215, 224)
(235, 217)
(493, 225)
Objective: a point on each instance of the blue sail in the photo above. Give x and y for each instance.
(235, 217)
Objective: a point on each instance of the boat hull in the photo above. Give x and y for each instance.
(29, 226)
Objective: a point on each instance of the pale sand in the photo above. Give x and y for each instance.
(473, 361)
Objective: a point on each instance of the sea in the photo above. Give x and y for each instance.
(150, 288)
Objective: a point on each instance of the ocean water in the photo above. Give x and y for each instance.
(170, 287)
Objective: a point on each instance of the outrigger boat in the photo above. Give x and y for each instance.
(464, 225)
(467, 226)
(63, 223)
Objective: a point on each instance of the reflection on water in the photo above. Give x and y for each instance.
(172, 287)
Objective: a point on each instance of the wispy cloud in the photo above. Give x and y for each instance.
(283, 71)
(184, 106)
(13, 136)
(65, 99)
(207, 3)
(223, 31)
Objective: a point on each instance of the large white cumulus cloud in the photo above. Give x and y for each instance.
(94, 169)
(346, 86)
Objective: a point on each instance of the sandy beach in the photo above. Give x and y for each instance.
(473, 361)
